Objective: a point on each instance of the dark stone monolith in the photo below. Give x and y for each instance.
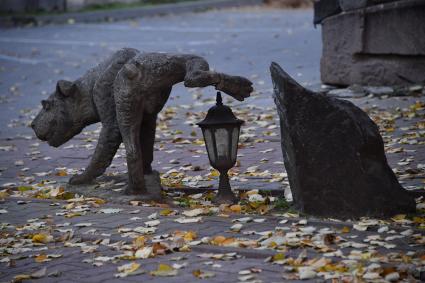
(334, 155)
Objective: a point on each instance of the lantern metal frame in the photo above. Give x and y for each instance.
(221, 117)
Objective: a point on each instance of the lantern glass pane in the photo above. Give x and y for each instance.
(209, 142)
(235, 139)
(222, 141)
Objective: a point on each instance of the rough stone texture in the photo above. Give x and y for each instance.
(324, 9)
(379, 45)
(334, 155)
(288, 3)
(347, 5)
(125, 93)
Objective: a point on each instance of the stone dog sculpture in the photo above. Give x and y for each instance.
(125, 93)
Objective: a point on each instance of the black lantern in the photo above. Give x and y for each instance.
(221, 134)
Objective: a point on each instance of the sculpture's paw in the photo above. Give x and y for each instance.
(80, 180)
(235, 86)
(143, 194)
(225, 198)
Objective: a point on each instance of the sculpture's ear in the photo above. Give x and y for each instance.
(47, 104)
(65, 88)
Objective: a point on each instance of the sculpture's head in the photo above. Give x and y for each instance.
(56, 122)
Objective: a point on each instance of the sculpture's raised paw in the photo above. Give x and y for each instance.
(80, 180)
(236, 86)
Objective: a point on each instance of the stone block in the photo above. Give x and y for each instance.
(379, 45)
(334, 155)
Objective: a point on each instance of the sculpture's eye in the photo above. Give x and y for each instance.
(46, 104)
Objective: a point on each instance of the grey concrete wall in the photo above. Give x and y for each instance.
(379, 45)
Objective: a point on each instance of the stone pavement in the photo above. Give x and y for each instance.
(244, 42)
(89, 247)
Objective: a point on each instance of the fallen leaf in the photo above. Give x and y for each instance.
(203, 274)
(185, 220)
(42, 238)
(39, 273)
(139, 242)
(306, 273)
(144, 252)
(41, 258)
(236, 227)
(83, 224)
(152, 223)
(193, 212)
(236, 208)
(164, 270)
(128, 269)
(110, 210)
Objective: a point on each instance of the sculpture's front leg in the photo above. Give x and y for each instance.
(107, 146)
(235, 86)
(130, 103)
(199, 75)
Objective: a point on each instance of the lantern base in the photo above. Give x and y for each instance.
(225, 194)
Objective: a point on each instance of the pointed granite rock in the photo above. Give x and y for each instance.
(334, 155)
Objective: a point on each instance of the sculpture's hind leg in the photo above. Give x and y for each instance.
(147, 134)
(129, 109)
(147, 140)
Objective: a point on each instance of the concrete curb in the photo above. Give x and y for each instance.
(126, 13)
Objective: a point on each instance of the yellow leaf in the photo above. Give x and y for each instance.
(199, 142)
(345, 229)
(202, 274)
(263, 209)
(4, 194)
(419, 220)
(21, 277)
(214, 173)
(41, 258)
(166, 212)
(164, 270)
(128, 269)
(190, 236)
(139, 242)
(61, 173)
(228, 242)
(99, 201)
(184, 249)
(236, 208)
(65, 195)
(42, 238)
(279, 256)
(134, 267)
(399, 217)
(218, 240)
(24, 188)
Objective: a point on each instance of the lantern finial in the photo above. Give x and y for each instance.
(219, 99)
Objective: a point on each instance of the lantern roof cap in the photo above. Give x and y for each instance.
(220, 114)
